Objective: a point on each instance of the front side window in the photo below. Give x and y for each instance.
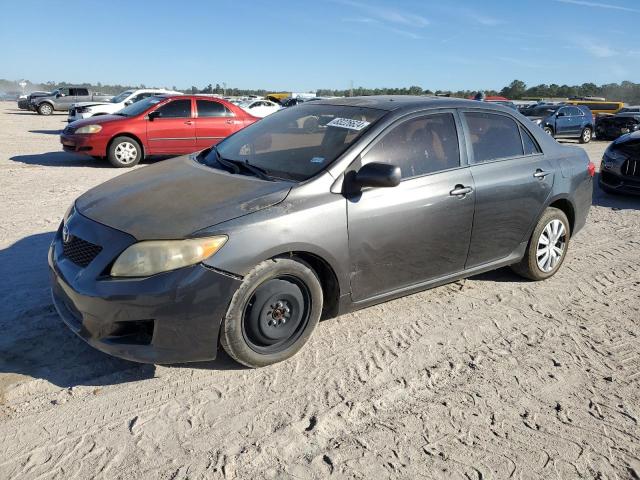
(122, 97)
(493, 137)
(419, 146)
(175, 109)
(211, 108)
(297, 143)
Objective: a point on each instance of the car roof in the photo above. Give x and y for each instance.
(392, 103)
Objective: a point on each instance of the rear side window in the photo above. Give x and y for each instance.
(210, 108)
(82, 92)
(574, 111)
(530, 145)
(419, 146)
(493, 136)
(176, 109)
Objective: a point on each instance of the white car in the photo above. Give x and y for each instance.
(260, 108)
(81, 110)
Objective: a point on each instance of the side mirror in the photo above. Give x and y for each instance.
(128, 102)
(560, 114)
(378, 175)
(58, 95)
(153, 115)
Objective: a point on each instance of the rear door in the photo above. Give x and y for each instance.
(214, 122)
(576, 120)
(419, 230)
(173, 131)
(513, 180)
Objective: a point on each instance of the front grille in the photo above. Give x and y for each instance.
(631, 168)
(80, 251)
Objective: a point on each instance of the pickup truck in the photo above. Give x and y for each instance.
(62, 98)
(81, 110)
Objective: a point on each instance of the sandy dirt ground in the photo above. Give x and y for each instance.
(490, 377)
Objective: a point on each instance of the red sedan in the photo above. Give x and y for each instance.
(159, 125)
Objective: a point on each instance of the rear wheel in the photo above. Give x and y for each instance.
(586, 135)
(548, 131)
(273, 313)
(45, 109)
(547, 246)
(124, 152)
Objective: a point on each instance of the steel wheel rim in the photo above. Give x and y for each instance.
(126, 152)
(277, 320)
(551, 245)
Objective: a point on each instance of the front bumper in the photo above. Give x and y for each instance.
(609, 180)
(170, 317)
(94, 145)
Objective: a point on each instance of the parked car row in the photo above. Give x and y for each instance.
(61, 99)
(86, 109)
(156, 125)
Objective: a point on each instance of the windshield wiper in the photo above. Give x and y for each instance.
(237, 165)
(257, 171)
(224, 162)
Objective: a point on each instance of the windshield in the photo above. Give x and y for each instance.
(139, 107)
(299, 142)
(542, 111)
(122, 97)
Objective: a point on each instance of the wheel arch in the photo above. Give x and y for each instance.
(126, 134)
(327, 276)
(566, 206)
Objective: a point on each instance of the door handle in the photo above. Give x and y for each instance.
(189, 122)
(540, 174)
(460, 191)
(230, 122)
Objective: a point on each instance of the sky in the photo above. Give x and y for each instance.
(305, 45)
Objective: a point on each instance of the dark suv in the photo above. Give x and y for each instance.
(564, 121)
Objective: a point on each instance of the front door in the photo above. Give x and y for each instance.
(513, 180)
(214, 122)
(419, 230)
(172, 129)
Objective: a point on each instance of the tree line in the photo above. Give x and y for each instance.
(626, 91)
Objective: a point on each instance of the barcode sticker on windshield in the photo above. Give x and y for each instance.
(348, 123)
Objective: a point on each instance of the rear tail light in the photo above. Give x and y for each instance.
(591, 169)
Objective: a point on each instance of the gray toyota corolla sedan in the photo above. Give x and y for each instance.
(312, 212)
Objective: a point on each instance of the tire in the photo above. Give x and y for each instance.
(124, 152)
(548, 131)
(254, 331)
(45, 109)
(530, 266)
(586, 135)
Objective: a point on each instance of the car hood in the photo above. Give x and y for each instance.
(175, 198)
(98, 120)
(91, 104)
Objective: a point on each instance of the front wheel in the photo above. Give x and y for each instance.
(586, 135)
(124, 152)
(548, 131)
(547, 246)
(45, 109)
(273, 313)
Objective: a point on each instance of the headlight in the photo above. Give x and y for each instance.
(148, 258)
(538, 121)
(89, 129)
(68, 213)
